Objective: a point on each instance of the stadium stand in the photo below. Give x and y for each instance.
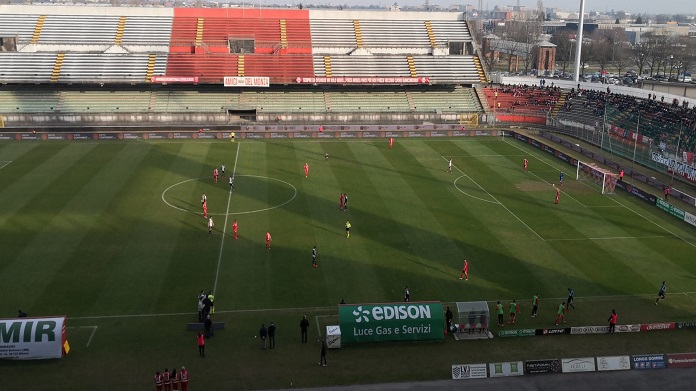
(523, 99)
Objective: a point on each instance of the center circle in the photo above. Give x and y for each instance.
(250, 202)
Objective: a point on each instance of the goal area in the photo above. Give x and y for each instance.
(600, 176)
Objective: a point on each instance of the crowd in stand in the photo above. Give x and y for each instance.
(661, 120)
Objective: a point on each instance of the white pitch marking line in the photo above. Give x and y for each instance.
(92, 335)
(623, 205)
(6, 163)
(294, 189)
(568, 195)
(496, 200)
(224, 228)
(464, 156)
(333, 307)
(612, 238)
(469, 195)
(94, 330)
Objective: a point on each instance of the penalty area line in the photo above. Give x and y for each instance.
(94, 330)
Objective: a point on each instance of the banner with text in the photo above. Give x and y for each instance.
(469, 371)
(542, 366)
(681, 360)
(648, 361)
(582, 364)
(246, 81)
(32, 338)
(417, 321)
(671, 209)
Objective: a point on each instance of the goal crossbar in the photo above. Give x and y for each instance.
(601, 176)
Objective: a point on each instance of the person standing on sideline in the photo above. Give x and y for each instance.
(208, 326)
(621, 174)
(201, 344)
(347, 229)
(271, 335)
(571, 298)
(449, 166)
(175, 380)
(158, 381)
(407, 294)
(612, 321)
(561, 313)
(448, 318)
(215, 174)
(268, 240)
(666, 192)
(200, 311)
(499, 310)
(340, 201)
(306, 170)
(222, 170)
(167, 380)
(345, 202)
(314, 256)
(263, 333)
(304, 325)
(322, 353)
(184, 378)
(231, 183)
(235, 228)
(535, 305)
(558, 194)
(525, 162)
(514, 310)
(661, 294)
(465, 271)
(561, 175)
(391, 142)
(211, 297)
(210, 225)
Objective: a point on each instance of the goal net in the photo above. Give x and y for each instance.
(602, 177)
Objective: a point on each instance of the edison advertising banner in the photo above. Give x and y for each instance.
(417, 321)
(32, 338)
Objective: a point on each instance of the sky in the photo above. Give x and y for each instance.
(632, 6)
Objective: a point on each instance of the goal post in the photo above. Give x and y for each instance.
(602, 177)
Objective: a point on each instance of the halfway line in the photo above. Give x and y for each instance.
(224, 227)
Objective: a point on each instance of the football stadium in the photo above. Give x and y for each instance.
(183, 188)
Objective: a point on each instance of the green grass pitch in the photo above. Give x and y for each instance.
(112, 235)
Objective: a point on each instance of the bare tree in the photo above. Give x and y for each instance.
(601, 48)
(563, 48)
(621, 58)
(586, 55)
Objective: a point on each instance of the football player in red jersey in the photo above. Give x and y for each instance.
(167, 380)
(184, 379)
(158, 381)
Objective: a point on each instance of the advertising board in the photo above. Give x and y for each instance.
(542, 366)
(509, 368)
(416, 321)
(613, 363)
(32, 338)
(648, 361)
(469, 371)
(681, 360)
(581, 364)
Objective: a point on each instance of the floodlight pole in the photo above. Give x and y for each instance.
(671, 182)
(635, 146)
(578, 42)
